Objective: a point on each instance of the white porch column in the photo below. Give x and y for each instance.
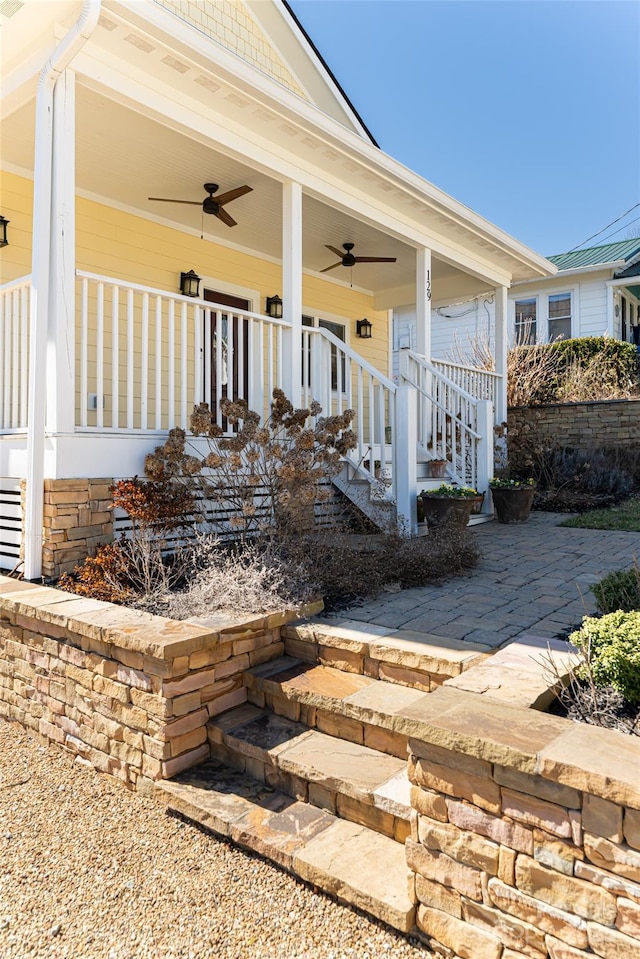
(502, 337)
(423, 302)
(60, 377)
(292, 288)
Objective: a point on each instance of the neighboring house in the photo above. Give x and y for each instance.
(104, 344)
(596, 292)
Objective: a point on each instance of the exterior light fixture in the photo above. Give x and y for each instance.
(3, 231)
(190, 284)
(363, 329)
(274, 307)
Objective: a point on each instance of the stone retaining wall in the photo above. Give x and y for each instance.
(525, 834)
(128, 692)
(601, 424)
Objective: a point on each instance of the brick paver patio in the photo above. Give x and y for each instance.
(531, 577)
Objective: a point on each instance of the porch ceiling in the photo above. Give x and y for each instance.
(123, 157)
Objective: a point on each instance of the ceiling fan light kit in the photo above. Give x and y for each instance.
(213, 205)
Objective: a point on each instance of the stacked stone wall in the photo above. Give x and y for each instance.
(583, 426)
(78, 517)
(128, 692)
(525, 834)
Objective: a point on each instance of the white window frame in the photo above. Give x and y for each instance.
(525, 297)
(571, 293)
(329, 318)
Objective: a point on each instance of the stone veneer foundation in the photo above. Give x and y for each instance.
(128, 692)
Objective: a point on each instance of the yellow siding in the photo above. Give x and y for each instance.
(16, 205)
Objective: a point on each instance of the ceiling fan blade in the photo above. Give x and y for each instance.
(376, 259)
(166, 199)
(224, 216)
(339, 253)
(232, 195)
(327, 268)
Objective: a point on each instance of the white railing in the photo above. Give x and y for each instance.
(339, 379)
(146, 357)
(14, 353)
(481, 384)
(452, 424)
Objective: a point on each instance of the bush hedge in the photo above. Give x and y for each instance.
(612, 647)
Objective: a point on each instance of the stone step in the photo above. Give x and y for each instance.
(351, 862)
(345, 705)
(404, 656)
(347, 779)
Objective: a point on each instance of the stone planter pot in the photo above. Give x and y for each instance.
(513, 505)
(442, 511)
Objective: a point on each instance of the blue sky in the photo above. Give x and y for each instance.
(528, 111)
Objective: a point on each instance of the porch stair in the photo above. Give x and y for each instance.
(311, 771)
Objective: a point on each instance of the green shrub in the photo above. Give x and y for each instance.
(618, 590)
(612, 649)
(619, 360)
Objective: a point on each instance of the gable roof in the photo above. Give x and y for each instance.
(597, 255)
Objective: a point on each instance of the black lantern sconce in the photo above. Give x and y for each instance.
(274, 307)
(3, 231)
(190, 284)
(363, 329)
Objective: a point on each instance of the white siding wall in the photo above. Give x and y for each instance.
(461, 323)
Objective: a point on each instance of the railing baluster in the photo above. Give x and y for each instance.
(84, 349)
(100, 356)
(15, 358)
(158, 397)
(197, 339)
(372, 432)
(219, 371)
(144, 362)
(360, 414)
(184, 367)
(130, 357)
(115, 357)
(171, 344)
(231, 384)
(270, 364)
(241, 359)
(24, 355)
(207, 357)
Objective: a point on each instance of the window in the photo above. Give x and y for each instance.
(526, 311)
(560, 316)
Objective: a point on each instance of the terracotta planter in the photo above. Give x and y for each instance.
(476, 504)
(513, 505)
(442, 511)
(437, 469)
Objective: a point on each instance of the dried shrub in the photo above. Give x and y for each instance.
(618, 590)
(578, 480)
(138, 566)
(269, 477)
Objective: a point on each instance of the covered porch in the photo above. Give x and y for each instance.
(102, 355)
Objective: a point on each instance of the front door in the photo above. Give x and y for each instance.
(226, 359)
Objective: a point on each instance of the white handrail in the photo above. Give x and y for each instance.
(15, 299)
(339, 379)
(147, 356)
(448, 419)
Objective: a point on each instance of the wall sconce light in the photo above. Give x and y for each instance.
(190, 284)
(363, 329)
(3, 231)
(274, 307)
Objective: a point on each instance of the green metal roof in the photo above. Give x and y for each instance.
(609, 253)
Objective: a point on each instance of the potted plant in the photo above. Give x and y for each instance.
(448, 504)
(512, 498)
(437, 469)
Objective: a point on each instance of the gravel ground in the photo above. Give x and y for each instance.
(89, 870)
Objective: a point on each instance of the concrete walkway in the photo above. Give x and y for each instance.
(533, 577)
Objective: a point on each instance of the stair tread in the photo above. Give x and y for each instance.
(340, 766)
(353, 863)
(409, 648)
(325, 687)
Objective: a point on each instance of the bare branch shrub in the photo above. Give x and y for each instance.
(270, 476)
